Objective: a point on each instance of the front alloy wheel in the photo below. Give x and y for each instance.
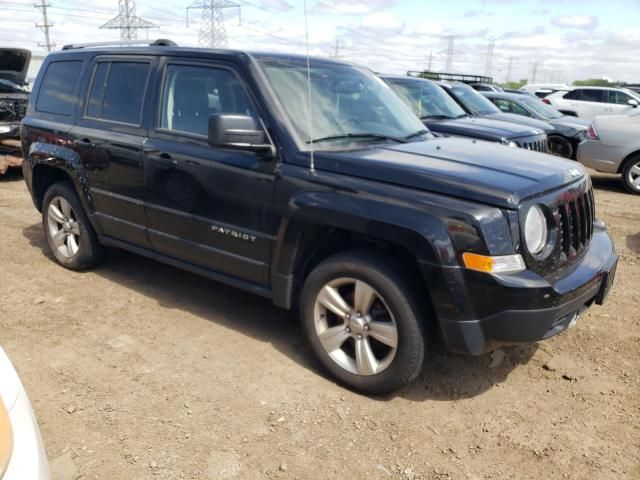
(355, 327)
(362, 314)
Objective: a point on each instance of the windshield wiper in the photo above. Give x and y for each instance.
(436, 117)
(415, 134)
(462, 115)
(363, 135)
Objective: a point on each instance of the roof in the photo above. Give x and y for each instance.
(191, 52)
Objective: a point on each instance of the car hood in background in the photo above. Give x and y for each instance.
(481, 128)
(570, 126)
(521, 120)
(480, 171)
(14, 63)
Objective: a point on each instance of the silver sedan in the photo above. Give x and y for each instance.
(613, 146)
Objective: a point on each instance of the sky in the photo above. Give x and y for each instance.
(561, 40)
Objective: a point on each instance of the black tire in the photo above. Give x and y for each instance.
(89, 252)
(628, 176)
(560, 146)
(398, 294)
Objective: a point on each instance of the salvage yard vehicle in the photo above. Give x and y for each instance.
(613, 146)
(308, 181)
(14, 63)
(587, 102)
(476, 104)
(568, 131)
(444, 117)
(22, 454)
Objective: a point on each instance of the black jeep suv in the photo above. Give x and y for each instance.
(315, 187)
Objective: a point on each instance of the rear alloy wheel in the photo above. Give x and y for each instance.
(363, 322)
(560, 146)
(631, 175)
(67, 229)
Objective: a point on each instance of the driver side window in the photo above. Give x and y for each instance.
(192, 93)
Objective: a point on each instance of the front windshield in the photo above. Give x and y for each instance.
(475, 102)
(544, 111)
(348, 103)
(426, 99)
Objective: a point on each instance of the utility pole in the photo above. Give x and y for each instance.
(450, 51)
(534, 72)
(212, 31)
(127, 22)
(489, 61)
(509, 66)
(336, 49)
(430, 61)
(45, 26)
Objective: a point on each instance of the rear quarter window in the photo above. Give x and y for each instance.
(57, 90)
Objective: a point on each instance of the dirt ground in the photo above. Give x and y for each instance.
(137, 370)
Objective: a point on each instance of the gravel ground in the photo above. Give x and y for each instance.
(137, 370)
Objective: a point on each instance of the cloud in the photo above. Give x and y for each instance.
(575, 21)
(330, 7)
(477, 13)
(277, 5)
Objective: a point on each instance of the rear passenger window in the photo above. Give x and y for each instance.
(588, 95)
(57, 91)
(117, 91)
(192, 93)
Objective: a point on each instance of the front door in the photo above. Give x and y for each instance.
(108, 138)
(207, 206)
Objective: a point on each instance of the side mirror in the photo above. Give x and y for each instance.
(238, 132)
(633, 102)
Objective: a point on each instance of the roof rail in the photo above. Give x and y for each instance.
(161, 42)
(455, 77)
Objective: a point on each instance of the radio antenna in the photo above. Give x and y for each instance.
(312, 169)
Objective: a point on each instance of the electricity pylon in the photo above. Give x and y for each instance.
(127, 21)
(212, 30)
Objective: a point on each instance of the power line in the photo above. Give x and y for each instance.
(127, 21)
(212, 30)
(45, 26)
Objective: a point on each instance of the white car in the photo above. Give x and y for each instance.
(22, 454)
(587, 102)
(613, 146)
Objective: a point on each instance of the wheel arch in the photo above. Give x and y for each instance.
(310, 235)
(627, 159)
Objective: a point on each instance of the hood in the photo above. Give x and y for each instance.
(571, 126)
(481, 128)
(492, 174)
(14, 63)
(10, 386)
(521, 120)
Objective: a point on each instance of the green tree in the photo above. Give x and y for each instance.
(595, 82)
(516, 85)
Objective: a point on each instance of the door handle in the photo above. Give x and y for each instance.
(85, 142)
(164, 159)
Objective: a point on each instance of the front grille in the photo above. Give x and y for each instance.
(574, 221)
(539, 143)
(571, 218)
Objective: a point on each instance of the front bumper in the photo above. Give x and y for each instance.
(603, 158)
(480, 312)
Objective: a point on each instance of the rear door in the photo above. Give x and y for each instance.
(207, 206)
(109, 135)
(591, 102)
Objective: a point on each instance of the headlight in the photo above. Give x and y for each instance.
(535, 230)
(6, 439)
(513, 144)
